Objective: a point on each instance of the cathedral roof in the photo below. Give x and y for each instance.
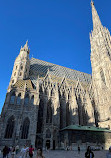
(22, 83)
(57, 72)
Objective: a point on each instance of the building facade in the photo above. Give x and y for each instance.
(43, 98)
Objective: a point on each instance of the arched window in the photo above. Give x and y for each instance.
(49, 113)
(26, 101)
(32, 99)
(25, 129)
(20, 73)
(12, 98)
(40, 116)
(102, 76)
(16, 67)
(48, 134)
(19, 99)
(15, 74)
(67, 115)
(12, 81)
(21, 67)
(52, 92)
(10, 127)
(61, 115)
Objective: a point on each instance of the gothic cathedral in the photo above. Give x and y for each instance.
(44, 98)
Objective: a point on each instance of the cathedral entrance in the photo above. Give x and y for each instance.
(48, 144)
(38, 142)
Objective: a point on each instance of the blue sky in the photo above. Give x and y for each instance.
(57, 31)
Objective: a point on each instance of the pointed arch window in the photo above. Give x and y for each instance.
(40, 116)
(26, 101)
(61, 114)
(25, 128)
(32, 99)
(52, 92)
(21, 67)
(49, 113)
(10, 127)
(12, 98)
(19, 99)
(67, 115)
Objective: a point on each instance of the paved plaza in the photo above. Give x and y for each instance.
(67, 154)
(73, 154)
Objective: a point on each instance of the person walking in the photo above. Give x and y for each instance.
(39, 153)
(78, 149)
(108, 155)
(13, 152)
(89, 153)
(23, 152)
(4, 152)
(31, 151)
(17, 149)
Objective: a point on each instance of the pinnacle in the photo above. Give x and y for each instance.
(92, 2)
(26, 45)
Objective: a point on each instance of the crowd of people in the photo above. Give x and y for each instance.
(23, 153)
(29, 152)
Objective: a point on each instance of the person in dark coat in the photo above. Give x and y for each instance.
(78, 149)
(5, 152)
(89, 153)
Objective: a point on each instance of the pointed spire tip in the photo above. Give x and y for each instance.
(92, 2)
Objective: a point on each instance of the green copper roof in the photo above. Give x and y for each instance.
(86, 128)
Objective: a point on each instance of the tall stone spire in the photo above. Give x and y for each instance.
(95, 17)
(100, 40)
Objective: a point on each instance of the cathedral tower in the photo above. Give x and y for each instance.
(21, 65)
(100, 40)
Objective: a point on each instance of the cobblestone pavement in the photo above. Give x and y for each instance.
(67, 154)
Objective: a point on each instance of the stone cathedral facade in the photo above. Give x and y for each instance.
(43, 98)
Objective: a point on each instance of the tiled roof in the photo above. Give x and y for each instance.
(86, 128)
(21, 84)
(39, 67)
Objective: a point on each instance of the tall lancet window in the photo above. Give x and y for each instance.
(19, 99)
(40, 116)
(26, 101)
(49, 113)
(12, 98)
(67, 115)
(10, 127)
(25, 129)
(32, 99)
(102, 76)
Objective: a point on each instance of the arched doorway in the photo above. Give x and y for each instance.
(48, 144)
(53, 144)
